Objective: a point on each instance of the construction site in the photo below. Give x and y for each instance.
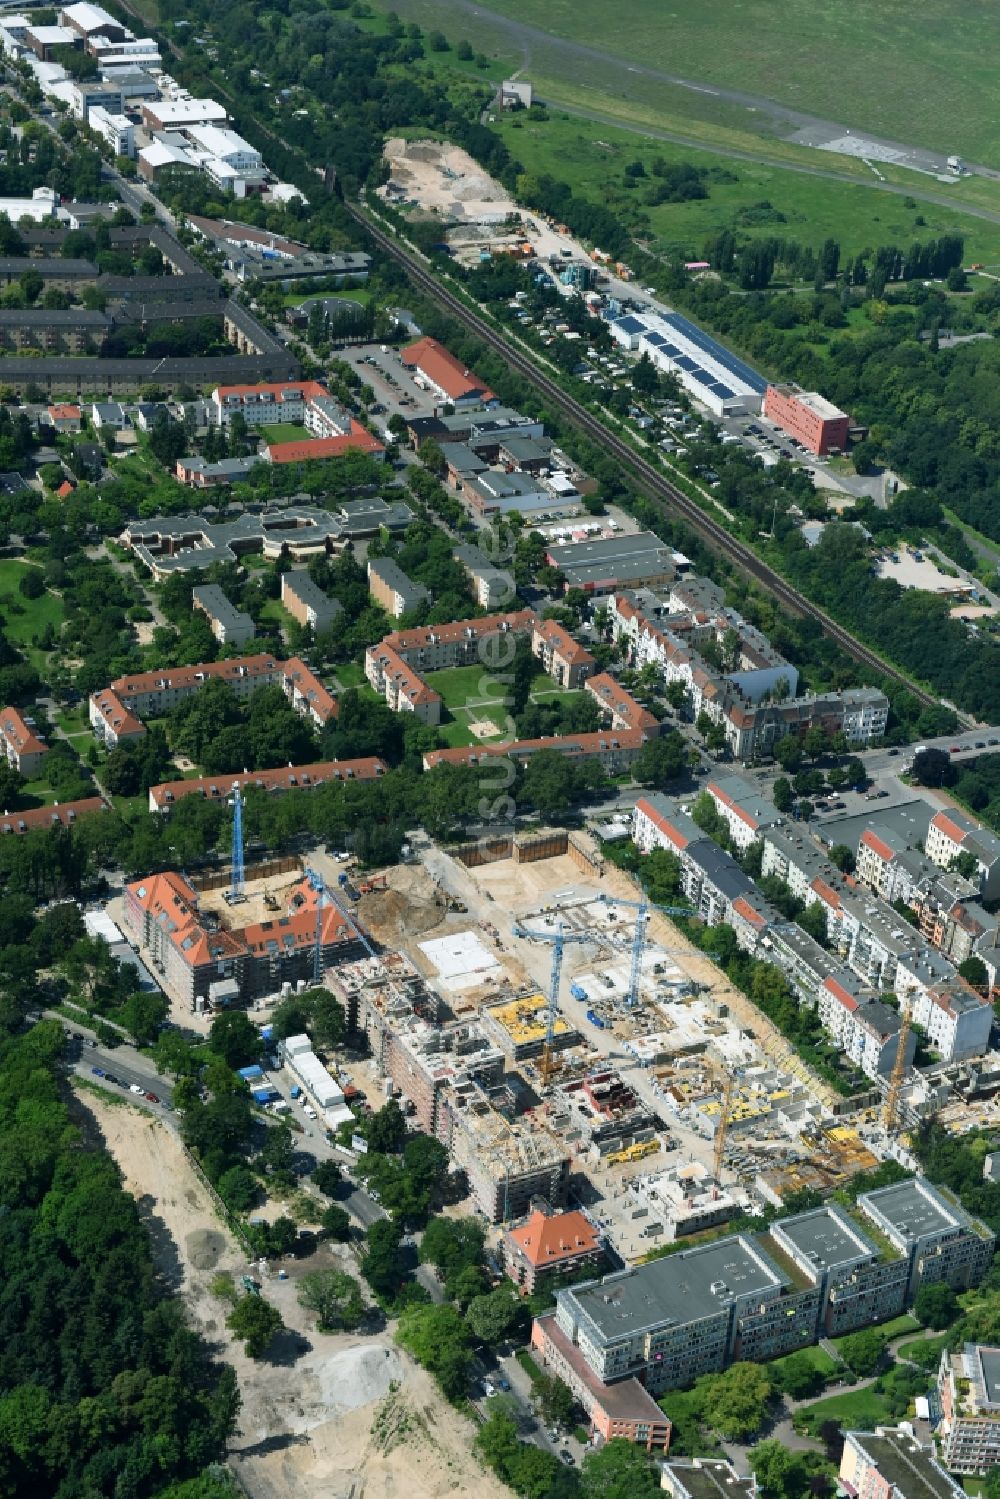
(566, 1041)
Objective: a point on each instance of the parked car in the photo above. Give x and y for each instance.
(134, 1088)
(152, 1098)
(567, 1457)
(97, 1071)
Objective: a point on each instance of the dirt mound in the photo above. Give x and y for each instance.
(393, 915)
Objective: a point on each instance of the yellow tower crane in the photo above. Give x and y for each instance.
(890, 1113)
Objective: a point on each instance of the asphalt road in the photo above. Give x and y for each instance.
(127, 1064)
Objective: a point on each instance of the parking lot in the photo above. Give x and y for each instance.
(380, 366)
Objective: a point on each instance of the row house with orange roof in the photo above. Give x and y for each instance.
(286, 778)
(546, 1247)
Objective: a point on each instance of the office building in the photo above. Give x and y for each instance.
(938, 1238)
(815, 422)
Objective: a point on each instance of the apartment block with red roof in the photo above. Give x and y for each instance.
(117, 711)
(204, 963)
(620, 706)
(444, 375)
(286, 778)
(403, 688)
(320, 449)
(264, 405)
(953, 832)
(60, 814)
(658, 823)
(614, 750)
(745, 811)
(546, 1247)
(567, 662)
(21, 742)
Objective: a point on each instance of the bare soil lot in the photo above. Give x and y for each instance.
(324, 1416)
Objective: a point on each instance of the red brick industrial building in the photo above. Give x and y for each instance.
(810, 418)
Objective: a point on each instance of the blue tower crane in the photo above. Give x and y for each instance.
(559, 938)
(236, 892)
(325, 896)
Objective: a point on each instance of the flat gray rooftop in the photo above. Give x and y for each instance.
(822, 1240)
(909, 820)
(988, 1360)
(909, 1469)
(678, 1288)
(608, 549)
(710, 1480)
(912, 1209)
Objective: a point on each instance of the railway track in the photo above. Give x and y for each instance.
(651, 480)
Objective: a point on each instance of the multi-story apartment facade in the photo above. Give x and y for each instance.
(660, 1325)
(117, 711)
(390, 587)
(20, 743)
(969, 1390)
(889, 1463)
(953, 832)
(307, 603)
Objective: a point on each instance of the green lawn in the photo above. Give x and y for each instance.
(816, 1356)
(26, 618)
(855, 1408)
(274, 610)
(826, 57)
(351, 674)
(592, 159)
(285, 432)
(459, 685)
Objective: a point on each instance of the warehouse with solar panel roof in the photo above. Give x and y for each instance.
(709, 372)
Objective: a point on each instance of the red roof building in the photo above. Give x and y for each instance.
(20, 742)
(286, 778)
(549, 1246)
(446, 376)
(320, 449)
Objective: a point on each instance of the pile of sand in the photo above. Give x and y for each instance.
(204, 1248)
(394, 916)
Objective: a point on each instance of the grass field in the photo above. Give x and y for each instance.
(351, 674)
(889, 1330)
(471, 696)
(816, 1356)
(26, 618)
(285, 432)
(854, 1409)
(592, 160)
(918, 74)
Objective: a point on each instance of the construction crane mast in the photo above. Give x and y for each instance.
(324, 897)
(236, 889)
(890, 1113)
(559, 938)
(728, 1088)
(642, 909)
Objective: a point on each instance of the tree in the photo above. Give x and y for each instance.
(660, 761)
(936, 1305)
(328, 1177)
(234, 1038)
(813, 921)
(798, 1376)
(780, 1473)
(555, 1400)
(494, 1316)
(619, 1470)
(734, 1402)
(142, 1015)
(974, 972)
(336, 1223)
(862, 1351)
(438, 1339)
(386, 1130)
(782, 794)
(335, 1297)
(843, 857)
(255, 1321)
(788, 752)
(933, 767)
(239, 1189)
(382, 1264)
